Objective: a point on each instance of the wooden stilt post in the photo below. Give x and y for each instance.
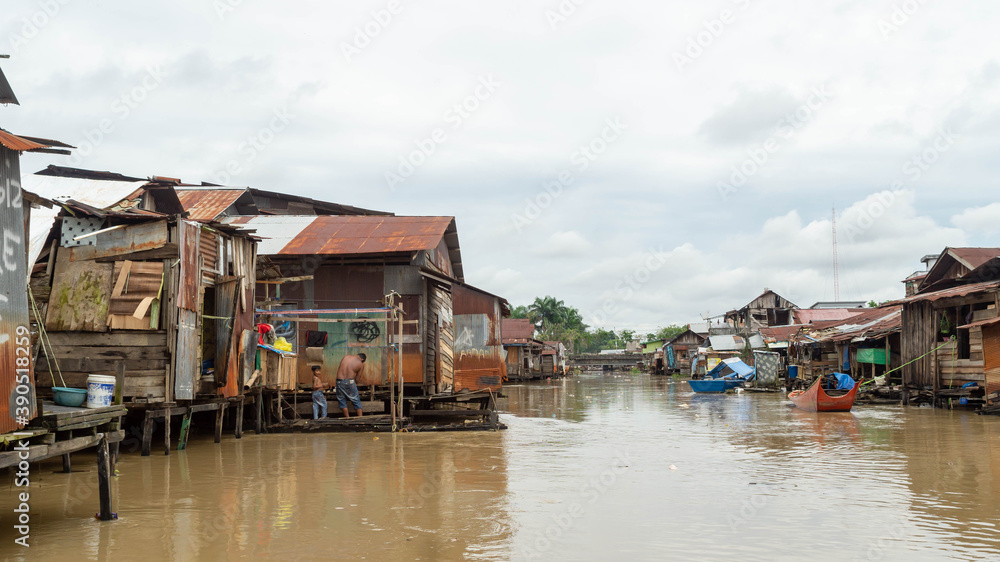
(218, 422)
(182, 440)
(104, 480)
(166, 433)
(147, 435)
(239, 418)
(67, 464)
(258, 405)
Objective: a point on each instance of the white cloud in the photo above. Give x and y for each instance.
(568, 244)
(983, 220)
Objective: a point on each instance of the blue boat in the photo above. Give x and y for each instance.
(709, 385)
(727, 375)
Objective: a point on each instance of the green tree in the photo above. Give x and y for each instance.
(669, 332)
(628, 335)
(548, 310)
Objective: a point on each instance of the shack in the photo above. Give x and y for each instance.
(128, 287)
(767, 310)
(524, 352)
(950, 327)
(553, 359)
(343, 267)
(866, 345)
(681, 349)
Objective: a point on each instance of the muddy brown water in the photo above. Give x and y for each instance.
(594, 467)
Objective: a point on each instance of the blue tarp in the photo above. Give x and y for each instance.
(844, 381)
(731, 367)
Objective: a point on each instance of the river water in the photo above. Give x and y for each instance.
(593, 467)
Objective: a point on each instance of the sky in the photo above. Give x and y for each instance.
(647, 162)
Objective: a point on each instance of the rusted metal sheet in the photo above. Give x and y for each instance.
(208, 204)
(19, 144)
(208, 248)
(961, 291)
(517, 330)
(226, 298)
(17, 391)
(187, 357)
(345, 235)
(190, 274)
(404, 279)
(479, 356)
(136, 238)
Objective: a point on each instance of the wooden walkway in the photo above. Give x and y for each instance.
(60, 431)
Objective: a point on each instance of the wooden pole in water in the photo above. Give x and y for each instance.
(104, 479)
(392, 384)
(399, 352)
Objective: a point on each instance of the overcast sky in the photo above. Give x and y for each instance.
(648, 162)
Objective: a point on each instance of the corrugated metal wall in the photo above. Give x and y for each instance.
(15, 342)
(479, 359)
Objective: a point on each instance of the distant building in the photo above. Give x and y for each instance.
(767, 310)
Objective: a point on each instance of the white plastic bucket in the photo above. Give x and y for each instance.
(100, 391)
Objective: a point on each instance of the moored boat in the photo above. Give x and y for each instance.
(709, 385)
(815, 399)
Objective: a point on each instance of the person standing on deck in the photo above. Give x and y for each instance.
(349, 369)
(319, 400)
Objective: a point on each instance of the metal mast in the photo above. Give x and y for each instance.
(836, 273)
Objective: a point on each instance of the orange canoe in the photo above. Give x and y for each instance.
(815, 399)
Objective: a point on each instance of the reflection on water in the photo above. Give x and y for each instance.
(592, 467)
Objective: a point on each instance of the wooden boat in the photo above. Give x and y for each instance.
(708, 385)
(815, 399)
(715, 385)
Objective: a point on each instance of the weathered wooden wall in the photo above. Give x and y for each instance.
(919, 329)
(79, 354)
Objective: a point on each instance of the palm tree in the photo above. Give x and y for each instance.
(548, 311)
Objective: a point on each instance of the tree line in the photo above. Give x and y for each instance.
(555, 321)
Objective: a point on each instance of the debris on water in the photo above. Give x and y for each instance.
(672, 467)
(684, 406)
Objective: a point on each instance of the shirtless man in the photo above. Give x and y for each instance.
(349, 369)
(319, 400)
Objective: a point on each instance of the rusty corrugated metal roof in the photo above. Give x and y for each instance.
(974, 257)
(332, 235)
(29, 144)
(959, 291)
(812, 315)
(517, 329)
(208, 204)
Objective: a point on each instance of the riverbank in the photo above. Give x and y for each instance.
(591, 467)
